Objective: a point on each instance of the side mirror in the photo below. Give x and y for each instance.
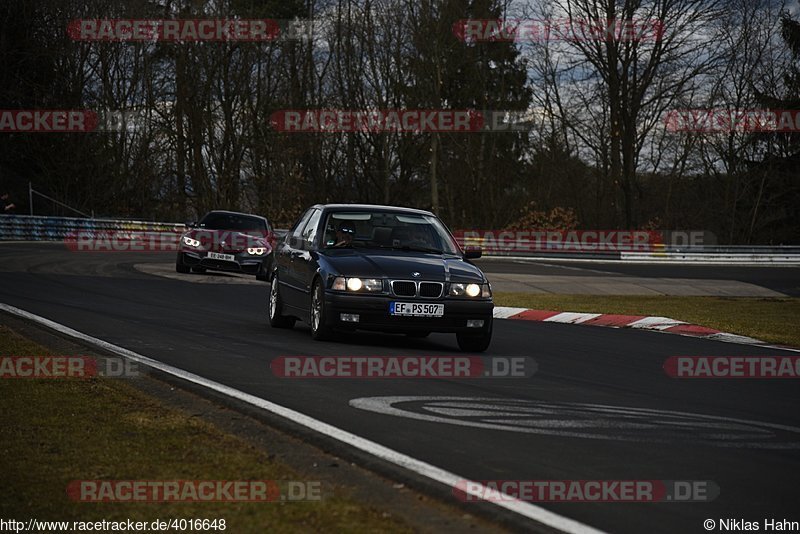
(472, 253)
(192, 224)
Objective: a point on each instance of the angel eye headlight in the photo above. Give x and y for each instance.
(190, 242)
(256, 251)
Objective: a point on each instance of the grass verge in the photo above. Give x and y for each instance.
(58, 430)
(768, 319)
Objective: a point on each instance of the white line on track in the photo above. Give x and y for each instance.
(524, 509)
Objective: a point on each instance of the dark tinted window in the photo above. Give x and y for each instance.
(233, 221)
(310, 230)
(300, 224)
(391, 230)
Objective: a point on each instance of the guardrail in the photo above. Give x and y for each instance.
(729, 255)
(40, 228)
(649, 252)
(43, 228)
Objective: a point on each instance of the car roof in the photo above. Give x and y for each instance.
(226, 212)
(368, 207)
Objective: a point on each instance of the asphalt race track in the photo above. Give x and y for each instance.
(600, 406)
(782, 279)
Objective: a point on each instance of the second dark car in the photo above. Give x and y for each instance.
(227, 241)
(364, 267)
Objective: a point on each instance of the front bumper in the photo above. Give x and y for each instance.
(243, 262)
(373, 312)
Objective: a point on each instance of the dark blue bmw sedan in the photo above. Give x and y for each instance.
(362, 267)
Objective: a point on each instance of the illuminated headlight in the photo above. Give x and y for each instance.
(470, 290)
(190, 242)
(372, 285)
(354, 284)
(256, 251)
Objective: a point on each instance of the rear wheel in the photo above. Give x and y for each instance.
(319, 316)
(475, 342)
(275, 308)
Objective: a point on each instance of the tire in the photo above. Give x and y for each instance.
(417, 335)
(320, 331)
(262, 274)
(180, 267)
(475, 342)
(275, 308)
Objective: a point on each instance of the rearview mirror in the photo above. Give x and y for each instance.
(472, 253)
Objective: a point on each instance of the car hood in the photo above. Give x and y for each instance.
(399, 265)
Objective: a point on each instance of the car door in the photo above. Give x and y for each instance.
(288, 251)
(306, 261)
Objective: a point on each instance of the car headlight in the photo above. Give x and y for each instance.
(256, 251)
(372, 285)
(470, 290)
(190, 242)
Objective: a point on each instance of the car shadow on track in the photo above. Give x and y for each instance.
(377, 340)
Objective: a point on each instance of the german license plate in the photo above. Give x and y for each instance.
(414, 309)
(218, 256)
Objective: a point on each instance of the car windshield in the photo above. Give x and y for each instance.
(233, 222)
(382, 229)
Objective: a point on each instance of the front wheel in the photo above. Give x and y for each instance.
(320, 330)
(181, 267)
(475, 342)
(275, 307)
(417, 335)
(263, 272)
